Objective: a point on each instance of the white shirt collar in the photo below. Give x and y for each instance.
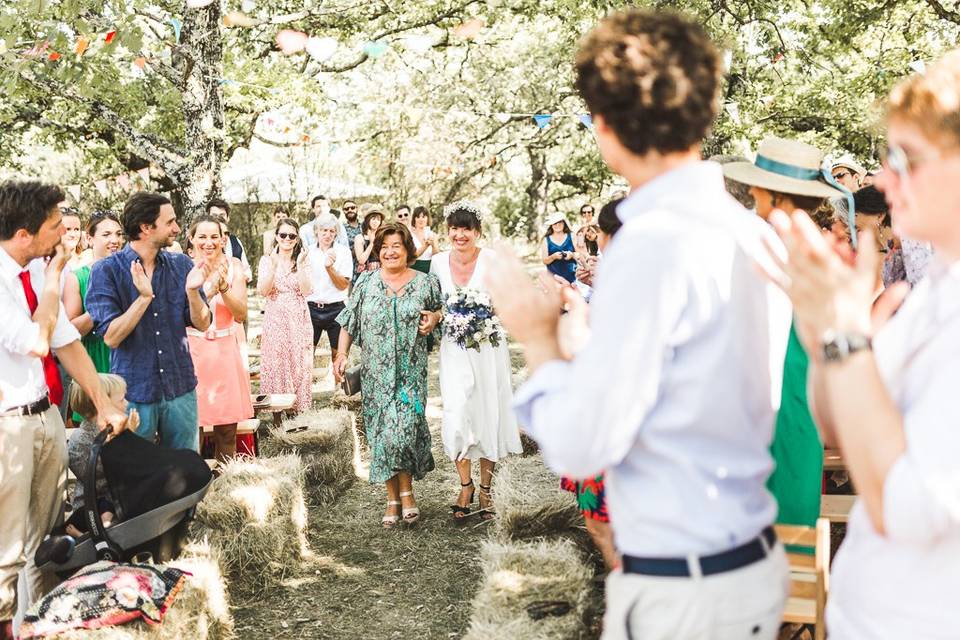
(9, 267)
(700, 178)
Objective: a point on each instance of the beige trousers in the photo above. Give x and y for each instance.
(745, 604)
(33, 462)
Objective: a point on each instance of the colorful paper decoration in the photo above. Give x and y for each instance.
(248, 6)
(144, 175)
(53, 57)
(291, 42)
(375, 49)
(469, 29)
(321, 49)
(198, 4)
(123, 181)
(542, 120)
(238, 19)
(74, 191)
(586, 120)
(418, 44)
(110, 36)
(37, 50)
(140, 63)
(918, 66)
(81, 46)
(733, 109)
(101, 186)
(177, 26)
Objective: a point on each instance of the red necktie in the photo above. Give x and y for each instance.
(50, 371)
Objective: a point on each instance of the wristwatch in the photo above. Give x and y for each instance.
(837, 347)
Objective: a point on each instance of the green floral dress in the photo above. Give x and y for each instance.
(393, 374)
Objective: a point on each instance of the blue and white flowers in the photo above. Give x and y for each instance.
(469, 320)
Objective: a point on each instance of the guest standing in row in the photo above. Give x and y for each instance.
(223, 384)
(478, 421)
(331, 270)
(141, 300)
(270, 235)
(366, 257)
(424, 239)
(557, 251)
(390, 315)
(283, 278)
(233, 248)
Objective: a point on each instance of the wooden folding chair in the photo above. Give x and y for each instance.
(809, 575)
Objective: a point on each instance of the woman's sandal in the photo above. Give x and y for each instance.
(461, 512)
(389, 522)
(412, 514)
(487, 512)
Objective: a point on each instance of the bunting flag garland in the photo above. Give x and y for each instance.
(248, 6)
(81, 46)
(469, 29)
(418, 44)
(54, 56)
(110, 36)
(74, 191)
(291, 42)
(140, 63)
(238, 19)
(733, 109)
(321, 49)
(198, 4)
(123, 181)
(543, 120)
(144, 175)
(586, 120)
(375, 49)
(101, 186)
(918, 66)
(177, 26)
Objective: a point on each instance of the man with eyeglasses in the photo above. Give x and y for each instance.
(848, 172)
(403, 214)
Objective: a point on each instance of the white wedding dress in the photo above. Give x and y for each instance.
(478, 420)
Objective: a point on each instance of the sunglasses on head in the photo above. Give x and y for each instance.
(287, 236)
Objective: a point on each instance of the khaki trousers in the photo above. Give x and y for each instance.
(33, 461)
(745, 604)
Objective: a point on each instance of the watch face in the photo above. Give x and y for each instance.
(832, 351)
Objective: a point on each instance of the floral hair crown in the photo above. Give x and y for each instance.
(463, 205)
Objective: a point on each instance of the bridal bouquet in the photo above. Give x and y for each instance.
(469, 320)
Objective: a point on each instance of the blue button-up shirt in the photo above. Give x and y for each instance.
(155, 358)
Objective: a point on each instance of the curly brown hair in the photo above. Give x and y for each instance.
(654, 77)
(395, 229)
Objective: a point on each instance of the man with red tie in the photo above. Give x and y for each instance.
(32, 439)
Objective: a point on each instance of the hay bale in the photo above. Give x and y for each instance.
(326, 448)
(530, 502)
(255, 518)
(353, 404)
(520, 576)
(201, 611)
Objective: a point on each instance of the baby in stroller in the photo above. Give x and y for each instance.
(78, 451)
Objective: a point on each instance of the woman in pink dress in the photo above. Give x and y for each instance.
(223, 384)
(286, 348)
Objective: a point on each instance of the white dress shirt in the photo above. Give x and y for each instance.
(21, 374)
(904, 584)
(675, 394)
(324, 292)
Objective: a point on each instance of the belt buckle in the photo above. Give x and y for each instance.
(210, 334)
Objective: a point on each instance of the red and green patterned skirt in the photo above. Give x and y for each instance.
(591, 497)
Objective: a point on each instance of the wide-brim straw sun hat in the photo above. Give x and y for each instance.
(787, 166)
(375, 209)
(849, 163)
(554, 219)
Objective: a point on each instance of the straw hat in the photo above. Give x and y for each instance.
(848, 162)
(555, 218)
(374, 208)
(787, 166)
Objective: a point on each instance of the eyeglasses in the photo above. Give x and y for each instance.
(287, 236)
(403, 215)
(587, 212)
(349, 208)
(900, 162)
(840, 175)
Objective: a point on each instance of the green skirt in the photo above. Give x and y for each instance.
(422, 265)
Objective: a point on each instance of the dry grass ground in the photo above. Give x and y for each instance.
(361, 582)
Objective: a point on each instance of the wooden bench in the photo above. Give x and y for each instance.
(275, 404)
(836, 508)
(833, 460)
(247, 427)
(809, 575)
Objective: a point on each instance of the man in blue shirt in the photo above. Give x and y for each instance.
(141, 300)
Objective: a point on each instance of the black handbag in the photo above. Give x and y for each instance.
(351, 381)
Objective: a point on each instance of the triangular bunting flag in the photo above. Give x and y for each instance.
(543, 120)
(469, 29)
(321, 49)
(375, 49)
(918, 66)
(177, 26)
(586, 120)
(101, 186)
(123, 181)
(290, 42)
(110, 36)
(144, 175)
(81, 46)
(74, 191)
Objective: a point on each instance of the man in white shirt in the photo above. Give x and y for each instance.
(234, 248)
(320, 206)
(675, 394)
(330, 273)
(32, 439)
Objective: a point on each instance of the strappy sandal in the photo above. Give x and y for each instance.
(461, 512)
(488, 512)
(412, 514)
(389, 522)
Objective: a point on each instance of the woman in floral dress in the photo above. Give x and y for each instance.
(390, 315)
(286, 348)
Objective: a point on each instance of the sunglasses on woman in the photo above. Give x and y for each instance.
(287, 236)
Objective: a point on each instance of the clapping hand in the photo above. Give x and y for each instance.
(198, 275)
(329, 259)
(140, 279)
(528, 313)
(302, 261)
(223, 279)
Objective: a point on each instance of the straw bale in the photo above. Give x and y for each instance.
(326, 448)
(255, 518)
(530, 502)
(353, 404)
(201, 611)
(520, 575)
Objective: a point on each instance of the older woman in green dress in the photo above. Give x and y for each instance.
(390, 315)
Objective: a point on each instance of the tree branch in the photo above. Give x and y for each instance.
(943, 13)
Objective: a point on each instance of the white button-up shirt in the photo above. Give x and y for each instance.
(21, 374)
(904, 584)
(324, 292)
(308, 235)
(675, 394)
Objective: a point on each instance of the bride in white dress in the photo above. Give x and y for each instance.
(478, 421)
